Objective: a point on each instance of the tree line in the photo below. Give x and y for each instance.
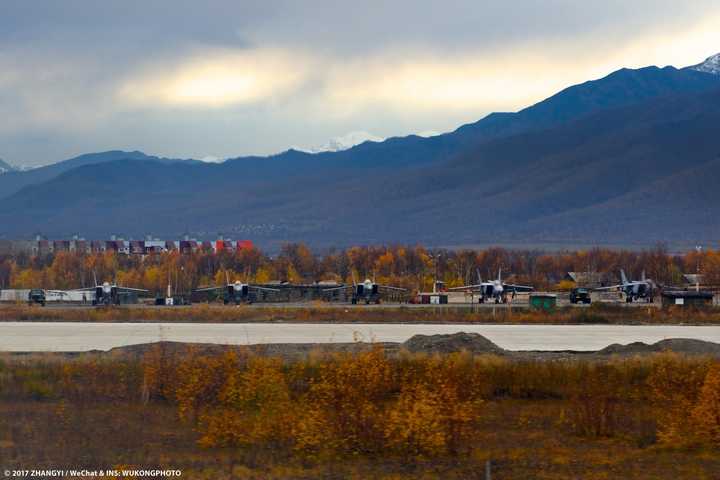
(412, 267)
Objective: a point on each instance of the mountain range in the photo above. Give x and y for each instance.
(629, 159)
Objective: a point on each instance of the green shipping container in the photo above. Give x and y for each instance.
(545, 302)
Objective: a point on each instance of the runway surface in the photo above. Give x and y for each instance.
(77, 337)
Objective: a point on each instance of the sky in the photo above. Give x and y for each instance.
(225, 78)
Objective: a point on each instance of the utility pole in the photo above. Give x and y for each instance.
(698, 249)
(436, 260)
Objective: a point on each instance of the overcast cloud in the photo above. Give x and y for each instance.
(228, 78)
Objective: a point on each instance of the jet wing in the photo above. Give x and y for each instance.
(208, 289)
(612, 287)
(128, 289)
(518, 288)
(61, 293)
(264, 289)
(469, 287)
(335, 289)
(396, 289)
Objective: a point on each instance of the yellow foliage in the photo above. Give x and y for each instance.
(199, 380)
(706, 414)
(255, 407)
(595, 404)
(263, 275)
(344, 405)
(431, 420)
(415, 423)
(675, 384)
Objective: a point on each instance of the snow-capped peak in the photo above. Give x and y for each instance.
(711, 65)
(6, 167)
(344, 142)
(212, 159)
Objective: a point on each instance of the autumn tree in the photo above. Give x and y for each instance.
(344, 413)
(706, 414)
(675, 383)
(254, 408)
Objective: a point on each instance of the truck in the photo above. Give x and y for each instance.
(36, 295)
(580, 295)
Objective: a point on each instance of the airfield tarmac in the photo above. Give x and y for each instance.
(81, 337)
(561, 303)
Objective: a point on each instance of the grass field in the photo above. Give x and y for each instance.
(319, 312)
(364, 415)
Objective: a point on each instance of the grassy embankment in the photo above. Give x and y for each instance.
(366, 415)
(319, 312)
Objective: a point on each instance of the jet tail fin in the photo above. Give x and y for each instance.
(479, 277)
(623, 277)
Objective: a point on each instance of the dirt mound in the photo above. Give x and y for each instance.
(456, 342)
(679, 345)
(689, 345)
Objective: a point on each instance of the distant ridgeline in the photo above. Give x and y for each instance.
(630, 159)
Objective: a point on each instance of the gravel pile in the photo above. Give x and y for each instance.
(456, 342)
(679, 345)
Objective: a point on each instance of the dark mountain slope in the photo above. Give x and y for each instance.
(583, 165)
(624, 87)
(681, 209)
(589, 152)
(621, 88)
(16, 180)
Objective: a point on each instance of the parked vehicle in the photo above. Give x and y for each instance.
(36, 295)
(580, 295)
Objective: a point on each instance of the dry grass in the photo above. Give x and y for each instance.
(319, 313)
(360, 416)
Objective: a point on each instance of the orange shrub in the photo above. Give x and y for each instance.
(675, 384)
(199, 379)
(255, 408)
(344, 405)
(706, 414)
(595, 405)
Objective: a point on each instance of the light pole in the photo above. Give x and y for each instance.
(436, 261)
(698, 249)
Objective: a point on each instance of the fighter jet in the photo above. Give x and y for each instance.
(237, 292)
(634, 290)
(494, 289)
(367, 291)
(108, 293)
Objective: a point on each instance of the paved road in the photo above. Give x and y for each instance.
(74, 337)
